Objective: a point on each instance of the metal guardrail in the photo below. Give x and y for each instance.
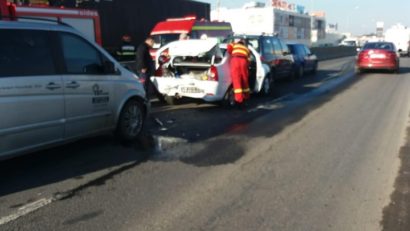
(324, 53)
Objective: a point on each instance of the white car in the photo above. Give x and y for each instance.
(200, 69)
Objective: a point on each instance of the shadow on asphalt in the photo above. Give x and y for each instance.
(194, 122)
(403, 71)
(71, 161)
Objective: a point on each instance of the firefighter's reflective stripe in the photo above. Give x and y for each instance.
(237, 91)
(242, 90)
(128, 53)
(240, 50)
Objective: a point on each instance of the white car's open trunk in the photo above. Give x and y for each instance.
(189, 69)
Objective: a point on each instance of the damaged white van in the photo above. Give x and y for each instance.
(200, 69)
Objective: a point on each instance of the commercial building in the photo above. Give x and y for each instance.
(289, 21)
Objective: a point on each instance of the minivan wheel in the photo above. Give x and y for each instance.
(131, 121)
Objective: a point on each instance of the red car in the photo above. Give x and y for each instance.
(378, 56)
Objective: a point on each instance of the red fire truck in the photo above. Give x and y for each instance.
(85, 21)
(170, 30)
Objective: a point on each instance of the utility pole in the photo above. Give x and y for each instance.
(218, 6)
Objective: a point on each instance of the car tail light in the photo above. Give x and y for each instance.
(277, 62)
(364, 55)
(391, 54)
(213, 74)
(159, 72)
(165, 53)
(141, 80)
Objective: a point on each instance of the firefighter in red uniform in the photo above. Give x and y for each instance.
(239, 70)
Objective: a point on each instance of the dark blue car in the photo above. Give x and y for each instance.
(304, 60)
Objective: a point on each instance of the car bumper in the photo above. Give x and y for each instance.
(191, 88)
(376, 65)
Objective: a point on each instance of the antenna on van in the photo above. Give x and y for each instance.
(218, 7)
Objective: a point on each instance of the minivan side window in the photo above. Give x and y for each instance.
(80, 57)
(25, 53)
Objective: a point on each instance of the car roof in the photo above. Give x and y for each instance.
(295, 44)
(43, 25)
(379, 42)
(253, 36)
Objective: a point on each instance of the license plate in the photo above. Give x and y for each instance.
(377, 56)
(191, 90)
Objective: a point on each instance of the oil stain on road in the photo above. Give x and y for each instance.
(217, 152)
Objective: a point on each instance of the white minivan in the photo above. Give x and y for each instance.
(57, 86)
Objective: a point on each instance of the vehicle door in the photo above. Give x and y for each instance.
(31, 93)
(260, 71)
(310, 59)
(279, 59)
(287, 58)
(88, 89)
(269, 56)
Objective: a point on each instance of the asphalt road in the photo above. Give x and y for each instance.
(318, 156)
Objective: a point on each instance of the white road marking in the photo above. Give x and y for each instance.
(26, 209)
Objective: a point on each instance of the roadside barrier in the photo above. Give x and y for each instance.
(324, 53)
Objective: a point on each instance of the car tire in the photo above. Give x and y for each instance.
(359, 71)
(267, 86)
(314, 71)
(300, 71)
(397, 70)
(131, 121)
(170, 100)
(229, 98)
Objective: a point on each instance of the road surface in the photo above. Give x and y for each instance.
(317, 157)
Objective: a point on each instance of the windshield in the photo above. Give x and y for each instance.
(382, 46)
(162, 39)
(214, 55)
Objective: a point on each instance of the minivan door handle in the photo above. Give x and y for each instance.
(72, 85)
(52, 86)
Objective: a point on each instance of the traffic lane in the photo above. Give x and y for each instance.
(332, 170)
(182, 121)
(64, 169)
(45, 174)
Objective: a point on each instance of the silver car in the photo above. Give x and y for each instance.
(57, 86)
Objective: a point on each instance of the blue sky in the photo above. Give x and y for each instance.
(356, 16)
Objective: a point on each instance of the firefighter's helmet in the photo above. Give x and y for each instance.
(126, 38)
